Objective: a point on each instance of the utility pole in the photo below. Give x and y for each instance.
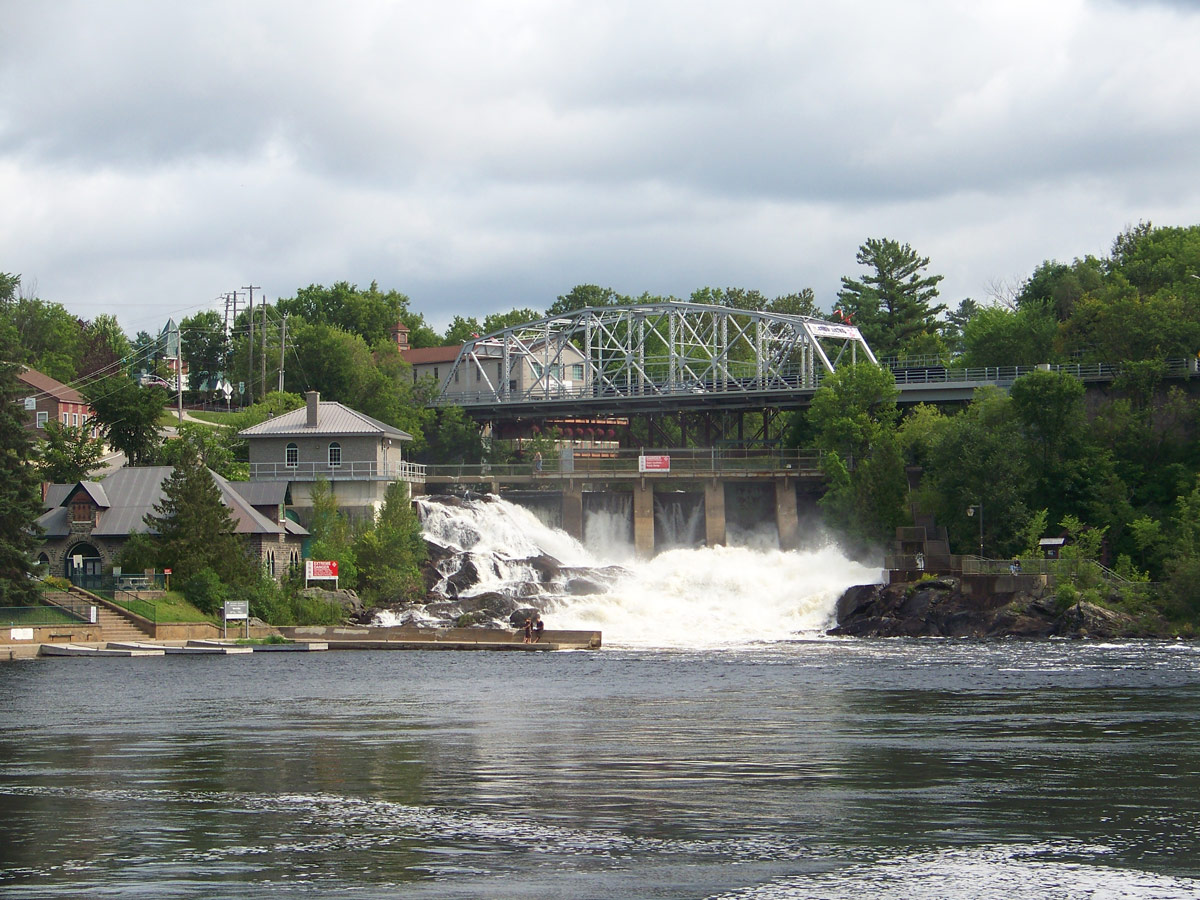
(264, 346)
(250, 363)
(282, 344)
(231, 311)
(179, 370)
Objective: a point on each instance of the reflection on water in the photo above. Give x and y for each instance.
(815, 769)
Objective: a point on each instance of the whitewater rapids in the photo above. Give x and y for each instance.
(682, 598)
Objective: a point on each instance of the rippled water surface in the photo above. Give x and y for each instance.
(808, 769)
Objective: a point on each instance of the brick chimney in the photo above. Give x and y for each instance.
(314, 402)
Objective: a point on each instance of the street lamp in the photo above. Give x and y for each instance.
(971, 512)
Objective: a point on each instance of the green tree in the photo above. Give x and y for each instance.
(462, 330)
(105, 347)
(202, 338)
(956, 323)
(20, 499)
(127, 414)
(1049, 406)
(584, 295)
(974, 461)
(452, 438)
(852, 407)
(211, 445)
(194, 529)
(371, 314)
(853, 417)
(891, 305)
(498, 321)
(48, 337)
(67, 454)
(1157, 259)
(389, 554)
(1056, 287)
(332, 534)
(996, 336)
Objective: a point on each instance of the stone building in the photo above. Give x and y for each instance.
(87, 523)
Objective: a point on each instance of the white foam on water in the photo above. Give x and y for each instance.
(718, 596)
(682, 598)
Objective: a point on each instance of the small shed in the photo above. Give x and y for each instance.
(1052, 546)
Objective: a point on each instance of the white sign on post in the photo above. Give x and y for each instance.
(236, 609)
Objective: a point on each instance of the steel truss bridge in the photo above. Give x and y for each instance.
(647, 357)
(688, 361)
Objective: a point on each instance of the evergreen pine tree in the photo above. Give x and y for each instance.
(20, 500)
(195, 529)
(891, 305)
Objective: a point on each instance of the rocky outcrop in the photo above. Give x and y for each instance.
(941, 608)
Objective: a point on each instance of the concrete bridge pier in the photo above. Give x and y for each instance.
(643, 519)
(714, 513)
(787, 520)
(572, 510)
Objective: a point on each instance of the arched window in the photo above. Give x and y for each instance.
(291, 456)
(335, 454)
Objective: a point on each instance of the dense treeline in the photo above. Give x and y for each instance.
(1113, 470)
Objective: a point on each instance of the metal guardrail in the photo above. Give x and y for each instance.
(46, 614)
(624, 464)
(347, 471)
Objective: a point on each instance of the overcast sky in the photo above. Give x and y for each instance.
(480, 156)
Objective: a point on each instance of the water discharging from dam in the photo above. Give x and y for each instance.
(685, 597)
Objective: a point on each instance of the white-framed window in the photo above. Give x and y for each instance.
(74, 420)
(335, 454)
(66, 418)
(42, 416)
(291, 456)
(577, 371)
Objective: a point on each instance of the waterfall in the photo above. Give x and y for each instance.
(678, 520)
(495, 556)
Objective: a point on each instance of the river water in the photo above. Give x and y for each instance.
(790, 769)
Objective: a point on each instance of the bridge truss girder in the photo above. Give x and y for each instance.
(641, 351)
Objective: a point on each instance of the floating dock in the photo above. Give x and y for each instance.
(108, 650)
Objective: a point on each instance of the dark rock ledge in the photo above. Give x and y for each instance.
(939, 608)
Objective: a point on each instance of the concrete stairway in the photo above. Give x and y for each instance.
(118, 628)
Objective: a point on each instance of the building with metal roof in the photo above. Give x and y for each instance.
(86, 524)
(357, 455)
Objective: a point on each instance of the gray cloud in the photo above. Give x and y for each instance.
(481, 155)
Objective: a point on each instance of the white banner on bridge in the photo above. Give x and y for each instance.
(822, 329)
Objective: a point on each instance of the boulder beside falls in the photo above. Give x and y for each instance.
(940, 608)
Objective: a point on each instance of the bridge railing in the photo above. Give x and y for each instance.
(624, 464)
(906, 373)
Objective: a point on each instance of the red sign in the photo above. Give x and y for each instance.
(320, 568)
(166, 571)
(654, 464)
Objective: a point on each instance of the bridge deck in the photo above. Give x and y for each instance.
(916, 384)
